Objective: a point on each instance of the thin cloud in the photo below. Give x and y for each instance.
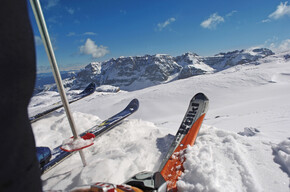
(266, 20)
(276, 45)
(231, 13)
(284, 45)
(51, 3)
(77, 21)
(70, 34)
(37, 40)
(90, 48)
(90, 33)
(124, 12)
(55, 19)
(70, 10)
(212, 21)
(161, 26)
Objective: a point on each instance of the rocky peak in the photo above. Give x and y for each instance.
(225, 60)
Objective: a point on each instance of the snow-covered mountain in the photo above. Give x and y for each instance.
(242, 146)
(127, 71)
(132, 73)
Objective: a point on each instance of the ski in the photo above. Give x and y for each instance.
(86, 92)
(59, 155)
(172, 165)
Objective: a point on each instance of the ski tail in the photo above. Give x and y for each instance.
(172, 166)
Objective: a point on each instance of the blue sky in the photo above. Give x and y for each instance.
(83, 31)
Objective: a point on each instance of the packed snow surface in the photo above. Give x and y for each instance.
(243, 145)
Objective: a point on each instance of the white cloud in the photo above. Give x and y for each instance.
(90, 48)
(276, 45)
(284, 45)
(212, 21)
(161, 26)
(37, 40)
(282, 10)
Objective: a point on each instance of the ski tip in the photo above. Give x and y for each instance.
(200, 96)
(134, 104)
(89, 89)
(201, 99)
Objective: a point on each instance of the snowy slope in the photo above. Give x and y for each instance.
(243, 144)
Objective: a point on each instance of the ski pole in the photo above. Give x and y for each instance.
(36, 7)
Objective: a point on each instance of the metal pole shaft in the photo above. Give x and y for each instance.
(36, 7)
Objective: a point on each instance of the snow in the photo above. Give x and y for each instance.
(243, 144)
(282, 155)
(72, 144)
(107, 88)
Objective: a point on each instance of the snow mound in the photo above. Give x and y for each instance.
(249, 131)
(218, 162)
(108, 88)
(282, 155)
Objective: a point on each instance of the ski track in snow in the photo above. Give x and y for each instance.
(242, 146)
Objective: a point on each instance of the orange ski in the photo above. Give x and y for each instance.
(172, 166)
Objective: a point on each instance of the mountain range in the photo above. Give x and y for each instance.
(132, 73)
